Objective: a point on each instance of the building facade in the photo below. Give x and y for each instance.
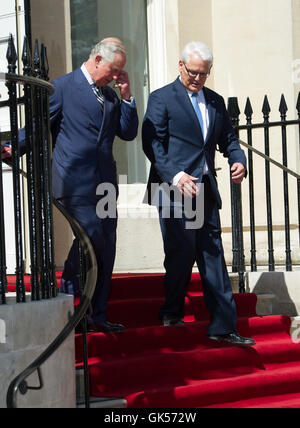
(256, 47)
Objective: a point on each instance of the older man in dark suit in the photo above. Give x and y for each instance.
(86, 115)
(184, 124)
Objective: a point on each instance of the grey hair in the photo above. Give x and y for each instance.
(108, 49)
(196, 48)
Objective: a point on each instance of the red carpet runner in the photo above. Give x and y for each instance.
(154, 366)
(167, 367)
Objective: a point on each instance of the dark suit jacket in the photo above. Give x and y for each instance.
(83, 156)
(173, 141)
(83, 136)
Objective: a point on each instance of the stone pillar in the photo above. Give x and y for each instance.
(26, 330)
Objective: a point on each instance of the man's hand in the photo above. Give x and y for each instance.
(124, 85)
(187, 186)
(238, 172)
(5, 152)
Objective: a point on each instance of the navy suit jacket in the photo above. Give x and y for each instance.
(173, 141)
(83, 136)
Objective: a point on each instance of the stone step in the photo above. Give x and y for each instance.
(95, 402)
(265, 304)
(103, 403)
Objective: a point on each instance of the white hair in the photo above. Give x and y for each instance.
(196, 48)
(108, 50)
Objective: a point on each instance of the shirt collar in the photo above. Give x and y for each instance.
(87, 75)
(200, 94)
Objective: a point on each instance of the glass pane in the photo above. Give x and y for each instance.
(84, 29)
(93, 20)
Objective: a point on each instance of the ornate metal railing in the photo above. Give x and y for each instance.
(38, 177)
(238, 232)
(38, 158)
(19, 384)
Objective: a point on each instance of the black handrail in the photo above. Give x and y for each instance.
(268, 159)
(91, 269)
(37, 127)
(91, 273)
(28, 80)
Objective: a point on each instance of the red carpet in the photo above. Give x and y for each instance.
(11, 282)
(156, 367)
(165, 367)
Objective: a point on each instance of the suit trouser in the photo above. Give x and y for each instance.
(183, 247)
(102, 234)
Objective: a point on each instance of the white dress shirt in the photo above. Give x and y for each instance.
(205, 121)
(87, 75)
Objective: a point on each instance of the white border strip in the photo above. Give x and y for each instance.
(158, 68)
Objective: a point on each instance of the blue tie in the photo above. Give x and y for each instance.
(197, 110)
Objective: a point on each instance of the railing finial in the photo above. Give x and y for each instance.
(283, 107)
(298, 105)
(233, 110)
(44, 63)
(26, 58)
(37, 60)
(11, 55)
(266, 109)
(248, 110)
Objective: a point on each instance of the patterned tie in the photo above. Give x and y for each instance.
(197, 110)
(99, 95)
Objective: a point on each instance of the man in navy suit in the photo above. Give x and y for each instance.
(85, 117)
(184, 124)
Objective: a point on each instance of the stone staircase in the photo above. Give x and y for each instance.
(267, 304)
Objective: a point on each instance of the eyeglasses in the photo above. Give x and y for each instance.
(194, 74)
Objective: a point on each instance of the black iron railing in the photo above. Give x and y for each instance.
(238, 233)
(38, 153)
(19, 384)
(38, 178)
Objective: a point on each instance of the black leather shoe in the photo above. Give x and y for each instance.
(234, 339)
(105, 327)
(173, 322)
